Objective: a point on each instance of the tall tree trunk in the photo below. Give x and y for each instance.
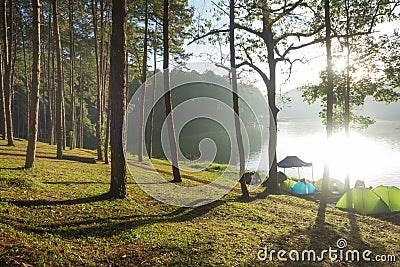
(44, 128)
(107, 139)
(127, 77)
(3, 130)
(50, 87)
(26, 79)
(13, 52)
(168, 98)
(239, 139)
(272, 182)
(34, 94)
(53, 92)
(42, 114)
(107, 129)
(347, 90)
(127, 88)
(18, 122)
(108, 112)
(8, 91)
(81, 107)
(329, 111)
(144, 74)
(154, 94)
(63, 106)
(347, 109)
(102, 65)
(99, 89)
(71, 76)
(118, 98)
(60, 93)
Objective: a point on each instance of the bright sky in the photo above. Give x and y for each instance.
(301, 73)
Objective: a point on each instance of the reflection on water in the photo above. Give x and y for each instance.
(372, 155)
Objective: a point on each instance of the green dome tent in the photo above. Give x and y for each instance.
(334, 186)
(286, 185)
(391, 196)
(364, 201)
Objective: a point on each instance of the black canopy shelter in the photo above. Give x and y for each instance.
(295, 162)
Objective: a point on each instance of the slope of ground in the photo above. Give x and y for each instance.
(57, 215)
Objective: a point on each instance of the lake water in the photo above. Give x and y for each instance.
(371, 155)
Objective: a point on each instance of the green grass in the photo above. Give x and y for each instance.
(55, 215)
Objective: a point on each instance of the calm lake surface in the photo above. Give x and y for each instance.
(371, 155)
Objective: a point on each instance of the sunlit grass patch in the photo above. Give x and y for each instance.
(57, 215)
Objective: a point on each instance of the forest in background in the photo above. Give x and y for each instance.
(85, 30)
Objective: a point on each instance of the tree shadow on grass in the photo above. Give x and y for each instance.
(12, 168)
(319, 236)
(393, 218)
(284, 198)
(79, 159)
(189, 177)
(324, 235)
(77, 182)
(40, 202)
(66, 183)
(355, 230)
(106, 226)
(65, 157)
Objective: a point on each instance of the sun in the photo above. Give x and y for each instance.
(357, 72)
(357, 156)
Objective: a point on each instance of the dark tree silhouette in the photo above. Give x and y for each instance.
(3, 130)
(72, 74)
(168, 99)
(99, 116)
(118, 98)
(154, 93)
(239, 139)
(144, 74)
(329, 109)
(60, 91)
(7, 82)
(34, 93)
(50, 83)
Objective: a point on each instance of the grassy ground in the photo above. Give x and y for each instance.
(57, 215)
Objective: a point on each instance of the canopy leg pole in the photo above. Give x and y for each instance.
(298, 172)
(312, 172)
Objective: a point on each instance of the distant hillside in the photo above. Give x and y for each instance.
(297, 109)
(382, 111)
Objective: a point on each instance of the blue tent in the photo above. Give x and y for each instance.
(303, 188)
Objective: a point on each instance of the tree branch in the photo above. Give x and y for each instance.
(286, 10)
(250, 63)
(299, 34)
(220, 8)
(212, 32)
(247, 29)
(257, 69)
(291, 62)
